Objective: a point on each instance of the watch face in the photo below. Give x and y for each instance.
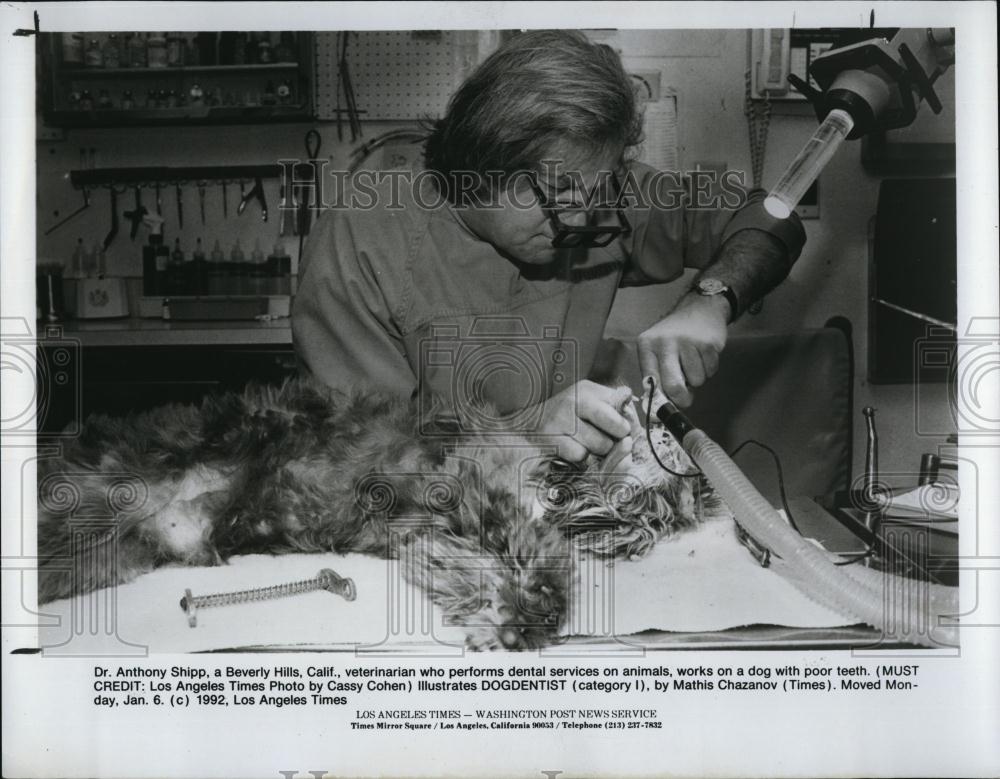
(710, 286)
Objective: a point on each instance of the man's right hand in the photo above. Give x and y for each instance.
(585, 419)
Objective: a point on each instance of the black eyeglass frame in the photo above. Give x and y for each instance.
(581, 236)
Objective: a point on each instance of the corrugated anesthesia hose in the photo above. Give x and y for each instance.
(904, 609)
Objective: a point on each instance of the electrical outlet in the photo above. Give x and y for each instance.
(647, 83)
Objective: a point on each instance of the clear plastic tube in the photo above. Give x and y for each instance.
(906, 610)
(806, 167)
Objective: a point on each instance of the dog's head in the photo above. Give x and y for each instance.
(625, 502)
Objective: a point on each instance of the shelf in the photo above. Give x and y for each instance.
(128, 176)
(185, 115)
(106, 73)
(156, 332)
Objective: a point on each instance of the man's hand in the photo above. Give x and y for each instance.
(585, 419)
(682, 349)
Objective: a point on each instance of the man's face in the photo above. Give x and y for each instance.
(518, 226)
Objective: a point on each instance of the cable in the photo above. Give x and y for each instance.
(777, 463)
(781, 477)
(864, 555)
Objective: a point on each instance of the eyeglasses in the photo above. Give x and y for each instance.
(575, 227)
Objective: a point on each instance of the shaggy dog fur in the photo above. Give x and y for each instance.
(482, 522)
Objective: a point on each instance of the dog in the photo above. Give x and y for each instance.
(304, 468)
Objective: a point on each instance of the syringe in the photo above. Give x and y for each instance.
(806, 167)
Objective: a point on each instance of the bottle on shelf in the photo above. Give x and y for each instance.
(237, 270)
(198, 283)
(192, 56)
(279, 271)
(155, 256)
(93, 58)
(128, 102)
(112, 52)
(176, 281)
(175, 50)
(265, 54)
(136, 47)
(156, 50)
(258, 270)
(216, 270)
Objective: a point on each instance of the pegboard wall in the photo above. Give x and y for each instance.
(403, 75)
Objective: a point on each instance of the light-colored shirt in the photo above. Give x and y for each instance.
(408, 300)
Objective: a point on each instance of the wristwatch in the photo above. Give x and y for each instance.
(709, 286)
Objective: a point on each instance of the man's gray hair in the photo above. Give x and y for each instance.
(545, 94)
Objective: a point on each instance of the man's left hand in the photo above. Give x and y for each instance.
(683, 348)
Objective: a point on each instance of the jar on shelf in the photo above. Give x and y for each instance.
(86, 100)
(128, 103)
(112, 52)
(156, 50)
(93, 58)
(136, 50)
(104, 100)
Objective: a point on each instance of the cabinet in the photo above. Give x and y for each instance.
(204, 83)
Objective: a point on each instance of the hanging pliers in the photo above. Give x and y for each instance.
(256, 192)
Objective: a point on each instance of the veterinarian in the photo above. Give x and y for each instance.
(491, 292)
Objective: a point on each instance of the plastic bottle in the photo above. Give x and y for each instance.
(279, 271)
(236, 281)
(199, 280)
(176, 281)
(258, 269)
(154, 258)
(216, 270)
